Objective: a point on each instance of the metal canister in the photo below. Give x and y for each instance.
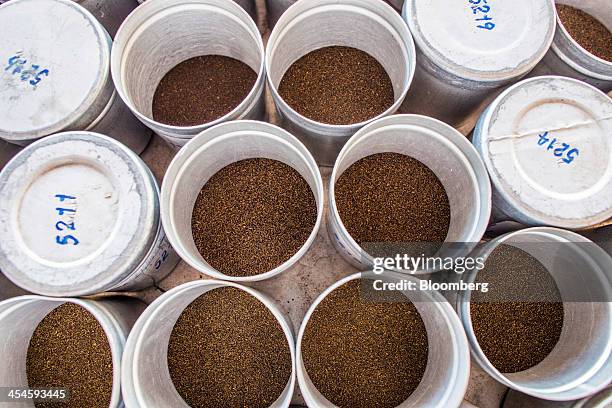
(160, 34)
(55, 75)
(79, 214)
(20, 316)
(144, 379)
(441, 148)
(370, 26)
(208, 153)
(580, 364)
(448, 367)
(568, 58)
(515, 399)
(469, 50)
(546, 144)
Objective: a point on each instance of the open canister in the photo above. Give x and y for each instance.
(55, 75)
(160, 34)
(546, 144)
(468, 50)
(20, 317)
(568, 58)
(79, 214)
(308, 25)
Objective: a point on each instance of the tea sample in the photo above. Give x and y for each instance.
(519, 321)
(390, 197)
(338, 86)
(228, 350)
(69, 349)
(252, 216)
(591, 34)
(360, 353)
(202, 89)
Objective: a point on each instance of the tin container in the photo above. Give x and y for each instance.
(546, 145)
(208, 153)
(46, 87)
(371, 26)
(20, 316)
(580, 365)
(160, 34)
(447, 374)
(469, 50)
(567, 58)
(110, 13)
(275, 8)
(145, 379)
(441, 148)
(79, 214)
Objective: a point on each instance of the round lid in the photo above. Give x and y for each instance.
(482, 40)
(78, 213)
(547, 143)
(54, 64)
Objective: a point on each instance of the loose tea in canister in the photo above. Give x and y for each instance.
(69, 349)
(228, 350)
(391, 197)
(519, 320)
(360, 353)
(202, 89)
(252, 216)
(337, 85)
(591, 34)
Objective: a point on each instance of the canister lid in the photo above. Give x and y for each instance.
(547, 144)
(78, 213)
(54, 68)
(482, 40)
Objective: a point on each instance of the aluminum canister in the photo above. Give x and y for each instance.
(160, 34)
(469, 50)
(55, 75)
(145, 379)
(20, 316)
(370, 26)
(441, 148)
(547, 145)
(79, 214)
(448, 367)
(580, 364)
(568, 58)
(211, 151)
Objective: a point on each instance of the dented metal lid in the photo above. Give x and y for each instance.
(547, 144)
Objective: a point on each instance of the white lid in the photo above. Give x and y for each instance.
(508, 41)
(78, 212)
(567, 185)
(62, 46)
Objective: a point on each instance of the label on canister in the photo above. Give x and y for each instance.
(79, 213)
(547, 144)
(54, 68)
(482, 40)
